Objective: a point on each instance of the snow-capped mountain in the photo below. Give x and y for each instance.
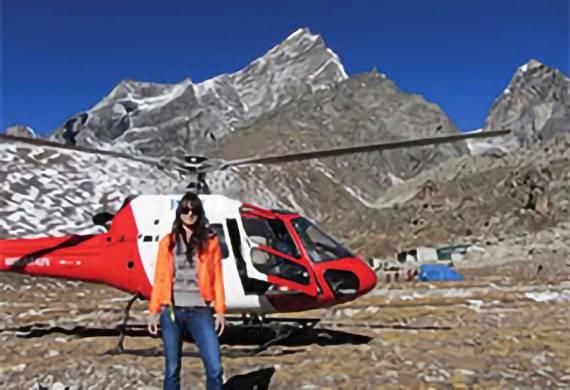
(156, 118)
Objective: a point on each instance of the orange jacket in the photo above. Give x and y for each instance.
(209, 274)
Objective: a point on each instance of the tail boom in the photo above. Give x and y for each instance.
(90, 258)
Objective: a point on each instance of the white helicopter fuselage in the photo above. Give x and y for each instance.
(154, 215)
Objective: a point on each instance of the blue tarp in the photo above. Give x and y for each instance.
(438, 272)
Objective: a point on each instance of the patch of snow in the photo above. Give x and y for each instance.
(395, 180)
(206, 86)
(338, 63)
(475, 302)
(296, 33)
(293, 40)
(154, 102)
(324, 66)
(548, 296)
(148, 103)
(357, 196)
(411, 297)
(476, 148)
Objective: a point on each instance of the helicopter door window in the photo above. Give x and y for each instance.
(271, 233)
(269, 268)
(273, 264)
(250, 285)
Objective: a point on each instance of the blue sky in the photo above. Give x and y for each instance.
(60, 57)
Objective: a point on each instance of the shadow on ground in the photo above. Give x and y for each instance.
(233, 338)
(258, 380)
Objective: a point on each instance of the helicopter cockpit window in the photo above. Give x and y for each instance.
(319, 245)
(270, 232)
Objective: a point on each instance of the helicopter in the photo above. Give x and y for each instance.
(273, 261)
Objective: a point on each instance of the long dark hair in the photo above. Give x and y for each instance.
(200, 228)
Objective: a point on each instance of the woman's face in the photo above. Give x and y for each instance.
(188, 216)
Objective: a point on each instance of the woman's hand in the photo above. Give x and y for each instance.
(153, 324)
(220, 323)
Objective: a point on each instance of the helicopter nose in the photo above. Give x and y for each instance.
(366, 276)
(357, 280)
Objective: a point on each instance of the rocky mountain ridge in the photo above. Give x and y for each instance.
(535, 106)
(157, 118)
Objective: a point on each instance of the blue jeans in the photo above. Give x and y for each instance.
(199, 322)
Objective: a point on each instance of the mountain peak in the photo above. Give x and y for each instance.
(20, 131)
(299, 41)
(534, 105)
(531, 64)
(302, 42)
(301, 32)
(531, 73)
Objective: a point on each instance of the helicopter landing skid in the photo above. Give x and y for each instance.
(259, 319)
(119, 349)
(282, 328)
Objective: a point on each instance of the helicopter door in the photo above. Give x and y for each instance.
(273, 257)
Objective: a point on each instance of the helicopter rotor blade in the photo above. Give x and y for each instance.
(51, 144)
(210, 165)
(285, 158)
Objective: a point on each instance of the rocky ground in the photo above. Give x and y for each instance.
(505, 326)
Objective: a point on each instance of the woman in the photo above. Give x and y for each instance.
(187, 282)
